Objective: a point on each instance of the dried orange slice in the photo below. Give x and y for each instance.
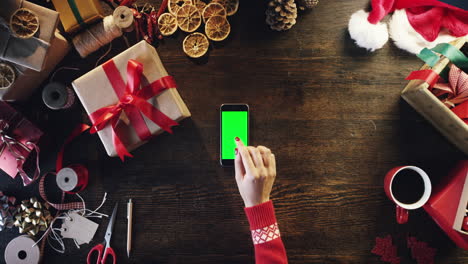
(167, 24)
(188, 18)
(231, 6)
(200, 5)
(213, 9)
(217, 28)
(7, 75)
(24, 23)
(195, 45)
(174, 5)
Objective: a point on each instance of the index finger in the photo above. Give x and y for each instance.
(239, 167)
(245, 155)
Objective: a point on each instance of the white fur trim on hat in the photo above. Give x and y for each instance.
(365, 34)
(406, 38)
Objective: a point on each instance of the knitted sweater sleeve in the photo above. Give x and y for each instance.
(269, 248)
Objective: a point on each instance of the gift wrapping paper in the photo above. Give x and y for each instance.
(28, 80)
(95, 92)
(30, 53)
(77, 14)
(20, 129)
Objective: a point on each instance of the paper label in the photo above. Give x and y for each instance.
(79, 228)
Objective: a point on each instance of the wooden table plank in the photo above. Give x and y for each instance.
(330, 111)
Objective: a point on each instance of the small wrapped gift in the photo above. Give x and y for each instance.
(111, 93)
(18, 138)
(77, 14)
(27, 80)
(27, 52)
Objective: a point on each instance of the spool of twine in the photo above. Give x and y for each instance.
(123, 18)
(58, 96)
(97, 36)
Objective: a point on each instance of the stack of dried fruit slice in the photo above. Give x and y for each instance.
(188, 15)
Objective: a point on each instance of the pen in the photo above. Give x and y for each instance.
(129, 226)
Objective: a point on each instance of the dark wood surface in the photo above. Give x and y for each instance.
(330, 111)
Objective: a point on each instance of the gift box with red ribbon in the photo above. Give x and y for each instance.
(18, 139)
(130, 98)
(438, 90)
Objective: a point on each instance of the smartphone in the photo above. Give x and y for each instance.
(234, 123)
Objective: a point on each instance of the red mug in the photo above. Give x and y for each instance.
(402, 208)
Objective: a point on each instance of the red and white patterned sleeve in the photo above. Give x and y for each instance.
(269, 248)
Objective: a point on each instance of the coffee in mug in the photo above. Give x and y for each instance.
(409, 188)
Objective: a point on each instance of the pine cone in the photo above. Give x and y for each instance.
(307, 4)
(281, 14)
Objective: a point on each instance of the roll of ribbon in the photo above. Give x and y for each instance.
(123, 18)
(58, 96)
(72, 179)
(22, 250)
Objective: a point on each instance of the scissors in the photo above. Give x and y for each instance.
(103, 249)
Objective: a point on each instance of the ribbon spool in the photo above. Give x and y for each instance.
(72, 179)
(22, 250)
(123, 18)
(58, 96)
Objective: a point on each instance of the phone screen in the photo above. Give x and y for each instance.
(234, 124)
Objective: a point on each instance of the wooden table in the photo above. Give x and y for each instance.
(330, 111)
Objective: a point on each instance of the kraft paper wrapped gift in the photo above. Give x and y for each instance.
(95, 92)
(28, 80)
(31, 52)
(77, 14)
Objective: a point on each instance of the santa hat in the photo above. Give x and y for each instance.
(416, 24)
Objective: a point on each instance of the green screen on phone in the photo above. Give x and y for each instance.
(234, 124)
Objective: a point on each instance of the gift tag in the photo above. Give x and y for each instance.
(79, 228)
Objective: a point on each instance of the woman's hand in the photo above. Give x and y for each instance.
(255, 173)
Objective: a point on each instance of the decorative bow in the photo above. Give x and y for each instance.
(32, 217)
(456, 90)
(16, 148)
(7, 210)
(132, 102)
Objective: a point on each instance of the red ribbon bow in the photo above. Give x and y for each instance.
(132, 101)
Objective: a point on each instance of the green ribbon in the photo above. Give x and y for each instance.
(429, 57)
(76, 12)
(453, 54)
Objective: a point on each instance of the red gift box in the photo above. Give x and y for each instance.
(18, 138)
(447, 200)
